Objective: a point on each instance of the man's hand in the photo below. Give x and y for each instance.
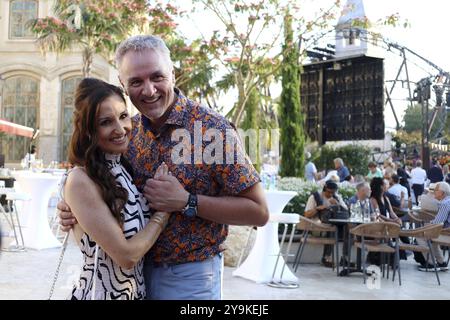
(333, 201)
(66, 218)
(165, 192)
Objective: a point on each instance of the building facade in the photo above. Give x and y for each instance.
(36, 89)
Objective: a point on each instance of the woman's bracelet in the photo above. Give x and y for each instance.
(161, 221)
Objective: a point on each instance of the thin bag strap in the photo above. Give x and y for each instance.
(94, 280)
(61, 256)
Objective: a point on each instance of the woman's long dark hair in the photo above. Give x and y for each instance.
(84, 150)
(377, 185)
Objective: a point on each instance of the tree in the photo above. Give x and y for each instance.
(248, 46)
(291, 116)
(413, 118)
(95, 26)
(192, 63)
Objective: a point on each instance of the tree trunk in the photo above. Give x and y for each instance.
(88, 58)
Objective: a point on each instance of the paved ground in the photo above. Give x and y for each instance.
(28, 275)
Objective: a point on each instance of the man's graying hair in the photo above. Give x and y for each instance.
(141, 43)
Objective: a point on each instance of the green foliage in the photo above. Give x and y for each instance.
(192, 62)
(413, 118)
(355, 157)
(291, 116)
(96, 26)
(304, 190)
(252, 120)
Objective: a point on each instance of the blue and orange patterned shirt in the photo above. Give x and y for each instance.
(203, 152)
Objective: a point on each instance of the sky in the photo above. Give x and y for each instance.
(426, 35)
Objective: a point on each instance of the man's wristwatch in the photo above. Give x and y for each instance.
(190, 210)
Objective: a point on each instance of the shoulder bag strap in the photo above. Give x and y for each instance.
(61, 256)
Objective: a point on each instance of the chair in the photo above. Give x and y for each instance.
(444, 240)
(427, 233)
(421, 217)
(14, 222)
(308, 226)
(382, 233)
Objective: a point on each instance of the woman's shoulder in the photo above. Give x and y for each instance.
(78, 179)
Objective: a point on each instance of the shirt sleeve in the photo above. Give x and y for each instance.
(236, 173)
(311, 203)
(442, 215)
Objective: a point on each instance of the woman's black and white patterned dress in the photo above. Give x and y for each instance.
(112, 281)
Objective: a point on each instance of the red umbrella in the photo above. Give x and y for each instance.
(17, 129)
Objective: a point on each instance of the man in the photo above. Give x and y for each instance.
(206, 196)
(316, 205)
(342, 170)
(362, 193)
(310, 169)
(442, 194)
(435, 173)
(418, 178)
(397, 194)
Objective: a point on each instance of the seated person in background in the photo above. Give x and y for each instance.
(381, 204)
(380, 201)
(442, 195)
(374, 171)
(348, 182)
(389, 169)
(362, 193)
(428, 201)
(316, 208)
(397, 194)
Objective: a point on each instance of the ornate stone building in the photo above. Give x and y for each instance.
(37, 90)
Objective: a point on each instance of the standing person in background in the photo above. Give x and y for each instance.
(418, 178)
(342, 170)
(435, 173)
(404, 178)
(310, 169)
(30, 157)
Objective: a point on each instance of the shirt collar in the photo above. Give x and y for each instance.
(178, 115)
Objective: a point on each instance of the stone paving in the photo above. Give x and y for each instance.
(28, 276)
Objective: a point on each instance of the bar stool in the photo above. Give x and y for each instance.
(286, 219)
(14, 222)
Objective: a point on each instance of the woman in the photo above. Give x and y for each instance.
(380, 202)
(114, 230)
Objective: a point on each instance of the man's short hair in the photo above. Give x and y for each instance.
(140, 43)
(395, 178)
(361, 185)
(444, 187)
(331, 185)
(418, 163)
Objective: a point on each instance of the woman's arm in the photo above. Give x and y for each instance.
(94, 217)
(394, 217)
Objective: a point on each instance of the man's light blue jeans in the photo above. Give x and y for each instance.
(188, 281)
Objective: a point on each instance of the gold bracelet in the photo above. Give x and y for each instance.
(161, 221)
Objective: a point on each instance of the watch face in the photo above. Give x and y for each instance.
(190, 212)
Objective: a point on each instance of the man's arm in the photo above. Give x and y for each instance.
(442, 214)
(249, 207)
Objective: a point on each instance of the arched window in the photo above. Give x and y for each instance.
(20, 12)
(20, 104)
(68, 87)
